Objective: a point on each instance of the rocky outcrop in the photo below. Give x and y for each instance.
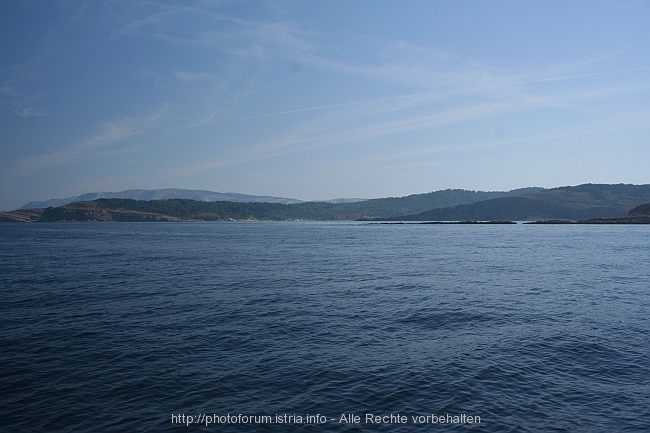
(22, 215)
(93, 211)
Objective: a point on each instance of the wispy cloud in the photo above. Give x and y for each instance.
(22, 105)
(628, 121)
(7, 90)
(111, 133)
(425, 97)
(159, 17)
(341, 105)
(582, 75)
(432, 86)
(26, 101)
(311, 137)
(186, 76)
(28, 112)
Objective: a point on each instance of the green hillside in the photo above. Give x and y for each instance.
(571, 203)
(567, 203)
(119, 209)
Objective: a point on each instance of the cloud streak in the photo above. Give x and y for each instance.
(445, 80)
(235, 100)
(110, 134)
(453, 91)
(309, 138)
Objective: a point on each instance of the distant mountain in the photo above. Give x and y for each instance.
(344, 200)
(415, 203)
(162, 194)
(606, 203)
(111, 209)
(571, 203)
(336, 209)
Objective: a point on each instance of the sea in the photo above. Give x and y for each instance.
(324, 327)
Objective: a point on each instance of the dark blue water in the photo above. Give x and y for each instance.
(118, 326)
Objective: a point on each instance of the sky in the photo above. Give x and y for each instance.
(321, 99)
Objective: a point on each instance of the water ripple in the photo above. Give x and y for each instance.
(114, 327)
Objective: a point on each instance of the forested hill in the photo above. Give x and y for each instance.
(121, 209)
(415, 203)
(571, 202)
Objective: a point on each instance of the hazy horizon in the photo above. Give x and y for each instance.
(321, 100)
(110, 193)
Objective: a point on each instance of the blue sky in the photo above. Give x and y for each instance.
(321, 99)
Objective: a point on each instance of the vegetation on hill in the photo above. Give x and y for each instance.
(179, 209)
(570, 203)
(644, 209)
(223, 210)
(638, 215)
(21, 215)
(415, 203)
(567, 203)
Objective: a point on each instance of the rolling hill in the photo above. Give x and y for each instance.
(570, 202)
(337, 209)
(162, 194)
(581, 202)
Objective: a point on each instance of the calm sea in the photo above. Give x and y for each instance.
(138, 327)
